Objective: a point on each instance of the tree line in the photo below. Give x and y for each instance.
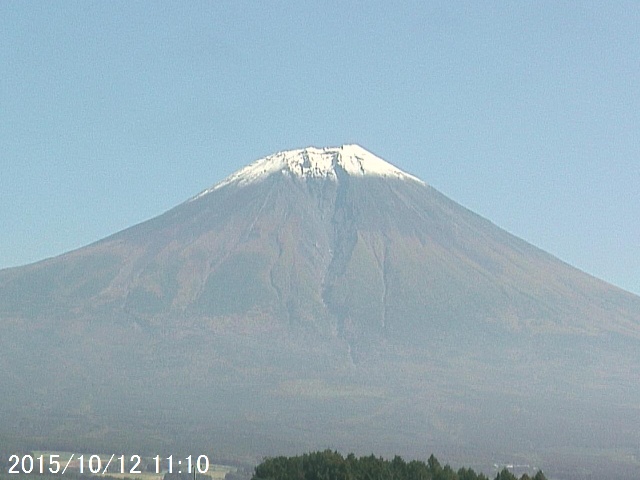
(330, 465)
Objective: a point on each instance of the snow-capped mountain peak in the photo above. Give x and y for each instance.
(312, 162)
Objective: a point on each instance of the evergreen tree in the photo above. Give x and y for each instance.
(331, 465)
(506, 475)
(434, 465)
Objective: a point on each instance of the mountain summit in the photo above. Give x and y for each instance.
(314, 162)
(319, 297)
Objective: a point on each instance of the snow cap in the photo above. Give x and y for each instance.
(314, 162)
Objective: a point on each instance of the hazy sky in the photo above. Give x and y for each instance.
(527, 113)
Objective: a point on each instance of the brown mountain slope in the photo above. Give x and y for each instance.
(332, 301)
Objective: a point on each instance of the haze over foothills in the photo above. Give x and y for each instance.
(526, 113)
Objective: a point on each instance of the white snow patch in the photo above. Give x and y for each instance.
(314, 162)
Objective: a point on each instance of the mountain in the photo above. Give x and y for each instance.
(321, 297)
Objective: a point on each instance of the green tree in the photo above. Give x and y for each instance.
(325, 465)
(469, 474)
(280, 468)
(506, 475)
(416, 470)
(434, 465)
(446, 473)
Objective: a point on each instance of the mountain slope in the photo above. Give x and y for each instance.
(318, 296)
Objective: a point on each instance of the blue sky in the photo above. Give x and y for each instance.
(527, 113)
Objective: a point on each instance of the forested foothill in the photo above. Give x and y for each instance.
(330, 465)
